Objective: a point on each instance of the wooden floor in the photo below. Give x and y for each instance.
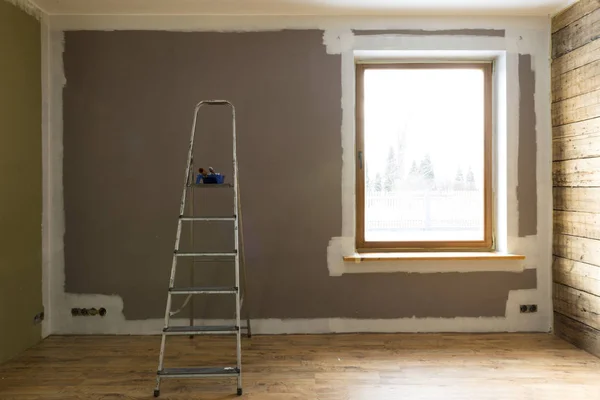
(328, 367)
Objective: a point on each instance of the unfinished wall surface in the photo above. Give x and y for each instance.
(576, 153)
(128, 102)
(20, 180)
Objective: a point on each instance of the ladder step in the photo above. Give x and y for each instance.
(204, 290)
(200, 330)
(206, 372)
(188, 218)
(202, 254)
(211, 185)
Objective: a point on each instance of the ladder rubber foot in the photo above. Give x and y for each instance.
(156, 393)
(239, 392)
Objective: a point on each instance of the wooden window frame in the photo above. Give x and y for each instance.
(487, 244)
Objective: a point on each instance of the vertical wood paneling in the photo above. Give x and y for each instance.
(576, 173)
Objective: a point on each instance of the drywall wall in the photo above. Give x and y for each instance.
(287, 86)
(576, 152)
(20, 180)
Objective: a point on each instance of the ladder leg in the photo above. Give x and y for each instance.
(237, 258)
(243, 258)
(192, 267)
(160, 364)
(161, 357)
(237, 318)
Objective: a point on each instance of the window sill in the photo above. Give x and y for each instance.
(431, 256)
(342, 258)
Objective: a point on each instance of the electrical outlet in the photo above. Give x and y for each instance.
(39, 317)
(523, 308)
(532, 308)
(75, 312)
(528, 308)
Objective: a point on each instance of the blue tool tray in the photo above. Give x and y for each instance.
(216, 178)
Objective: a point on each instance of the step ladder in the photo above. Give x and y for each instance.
(236, 255)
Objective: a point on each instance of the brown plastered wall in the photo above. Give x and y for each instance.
(128, 106)
(527, 186)
(20, 180)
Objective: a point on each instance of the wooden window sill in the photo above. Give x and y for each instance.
(431, 256)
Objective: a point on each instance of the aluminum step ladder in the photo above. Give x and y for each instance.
(236, 255)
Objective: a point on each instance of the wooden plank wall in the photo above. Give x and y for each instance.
(576, 174)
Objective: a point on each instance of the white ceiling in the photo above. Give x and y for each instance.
(303, 7)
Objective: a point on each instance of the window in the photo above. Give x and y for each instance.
(424, 156)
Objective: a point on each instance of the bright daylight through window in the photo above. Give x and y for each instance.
(424, 156)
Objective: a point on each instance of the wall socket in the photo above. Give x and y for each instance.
(528, 308)
(38, 318)
(75, 312)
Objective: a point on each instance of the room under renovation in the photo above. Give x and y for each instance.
(313, 200)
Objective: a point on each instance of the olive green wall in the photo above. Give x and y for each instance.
(20, 180)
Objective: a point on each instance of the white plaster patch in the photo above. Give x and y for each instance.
(110, 323)
(433, 43)
(338, 41)
(114, 321)
(342, 246)
(520, 323)
(532, 321)
(543, 128)
(337, 249)
(527, 39)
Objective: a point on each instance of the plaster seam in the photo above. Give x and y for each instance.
(114, 322)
